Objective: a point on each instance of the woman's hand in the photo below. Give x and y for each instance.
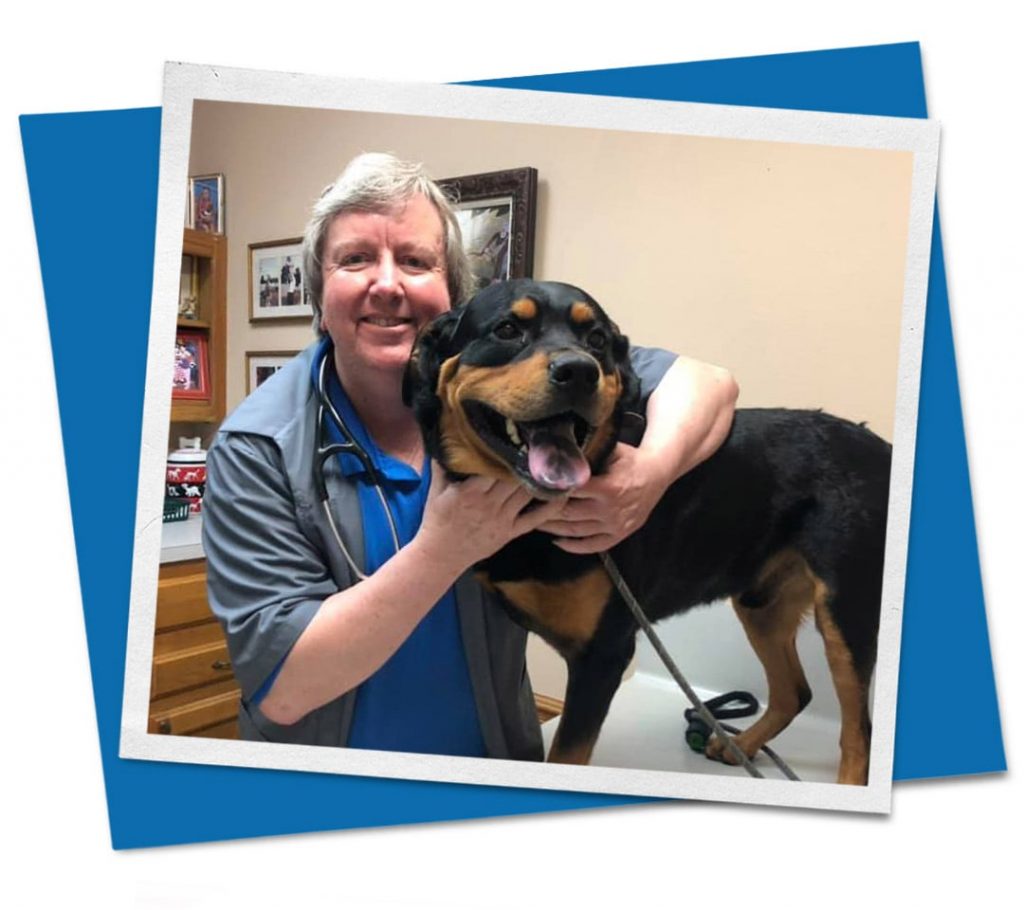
(610, 506)
(688, 417)
(469, 520)
(356, 630)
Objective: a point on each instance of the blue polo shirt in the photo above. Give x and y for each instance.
(421, 700)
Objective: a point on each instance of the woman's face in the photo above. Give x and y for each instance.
(384, 278)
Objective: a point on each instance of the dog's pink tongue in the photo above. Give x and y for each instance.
(555, 460)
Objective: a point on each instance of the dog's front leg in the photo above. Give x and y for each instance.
(594, 678)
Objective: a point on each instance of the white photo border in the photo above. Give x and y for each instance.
(186, 83)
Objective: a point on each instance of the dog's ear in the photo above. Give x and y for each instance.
(433, 346)
(629, 400)
(630, 410)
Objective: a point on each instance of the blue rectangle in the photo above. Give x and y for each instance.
(67, 156)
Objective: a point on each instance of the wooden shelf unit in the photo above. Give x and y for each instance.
(210, 254)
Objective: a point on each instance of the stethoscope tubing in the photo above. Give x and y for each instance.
(326, 408)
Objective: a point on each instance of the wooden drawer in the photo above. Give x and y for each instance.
(196, 715)
(191, 667)
(181, 595)
(226, 730)
(192, 689)
(186, 637)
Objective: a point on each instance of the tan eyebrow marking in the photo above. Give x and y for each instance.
(525, 308)
(581, 312)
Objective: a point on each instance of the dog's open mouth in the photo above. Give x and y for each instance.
(547, 454)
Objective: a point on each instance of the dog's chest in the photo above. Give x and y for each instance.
(565, 612)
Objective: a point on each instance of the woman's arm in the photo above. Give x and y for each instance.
(689, 415)
(356, 630)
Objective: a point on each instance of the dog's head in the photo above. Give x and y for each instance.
(528, 381)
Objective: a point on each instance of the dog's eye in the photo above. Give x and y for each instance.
(597, 340)
(508, 331)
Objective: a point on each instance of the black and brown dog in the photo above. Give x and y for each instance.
(532, 381)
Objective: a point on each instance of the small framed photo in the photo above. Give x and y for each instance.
(188, 288)
(277, 286)
(206, 203)
(497, 212)
(191, 367)
(261, 365)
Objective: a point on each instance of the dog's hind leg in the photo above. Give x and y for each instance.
(785, 596)
(851, 682)
(594, 678)
(847, 617)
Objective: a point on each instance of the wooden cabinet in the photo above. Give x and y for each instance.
(192, 689)
(204, 280)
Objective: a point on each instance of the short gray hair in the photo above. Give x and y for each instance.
(379, 182)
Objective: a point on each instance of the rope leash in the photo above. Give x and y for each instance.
(699, 706)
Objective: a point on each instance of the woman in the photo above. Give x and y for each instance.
(413, 658)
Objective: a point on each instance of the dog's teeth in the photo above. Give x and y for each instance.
(513, 433)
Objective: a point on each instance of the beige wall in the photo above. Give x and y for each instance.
(783, 262)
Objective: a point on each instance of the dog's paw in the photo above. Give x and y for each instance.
(717, 750)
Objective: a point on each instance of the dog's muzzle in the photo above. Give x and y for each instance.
(546, 453)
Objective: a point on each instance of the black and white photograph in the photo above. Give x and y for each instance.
(276, 288)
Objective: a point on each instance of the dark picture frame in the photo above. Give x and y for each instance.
(191, 378)
(497, 212)
(272, 296)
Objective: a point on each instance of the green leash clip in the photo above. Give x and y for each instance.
(722, 707)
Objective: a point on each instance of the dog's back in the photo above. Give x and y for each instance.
(783, 479)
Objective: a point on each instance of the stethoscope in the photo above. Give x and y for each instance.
(324, 450)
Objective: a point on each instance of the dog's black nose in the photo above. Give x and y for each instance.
(573, 373)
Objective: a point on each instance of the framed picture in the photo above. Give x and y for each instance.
(191, 367)
(497, 212)
(277, 286)
(261, 365)
(206, 203)
(188, 289)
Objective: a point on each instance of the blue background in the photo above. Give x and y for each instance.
(66, 157)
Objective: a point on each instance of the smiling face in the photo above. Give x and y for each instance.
(526, 382)
(383, 280)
